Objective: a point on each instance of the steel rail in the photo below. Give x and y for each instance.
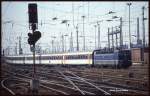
(57, 83)
(71, 83)
(118, 85)
(10, 91)
(54, 89)
(108, 76)
(106, 93)
(27, 80)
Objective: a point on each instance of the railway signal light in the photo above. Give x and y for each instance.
(32, 10)
(34, 37)
(30, 39)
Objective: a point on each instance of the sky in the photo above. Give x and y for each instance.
(15, 23)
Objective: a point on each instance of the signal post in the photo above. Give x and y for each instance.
(33, 38)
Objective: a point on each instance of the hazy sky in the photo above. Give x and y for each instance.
(15, 22)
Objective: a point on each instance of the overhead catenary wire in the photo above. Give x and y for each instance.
(6, 8)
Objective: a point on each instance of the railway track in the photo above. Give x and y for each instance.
(5, 87)
(58, 80)
(50, 86)
(75, 88)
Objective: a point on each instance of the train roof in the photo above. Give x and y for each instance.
(54, 54)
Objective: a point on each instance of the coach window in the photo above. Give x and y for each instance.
(28, 58)
(73, 57)
(82, 56)
(85, 56)
(37, 57)
(47, 57)
(78, 57)
(43, 57)
(31, 58)
(68, 57)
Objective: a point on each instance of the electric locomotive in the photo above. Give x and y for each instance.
(112, 58)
